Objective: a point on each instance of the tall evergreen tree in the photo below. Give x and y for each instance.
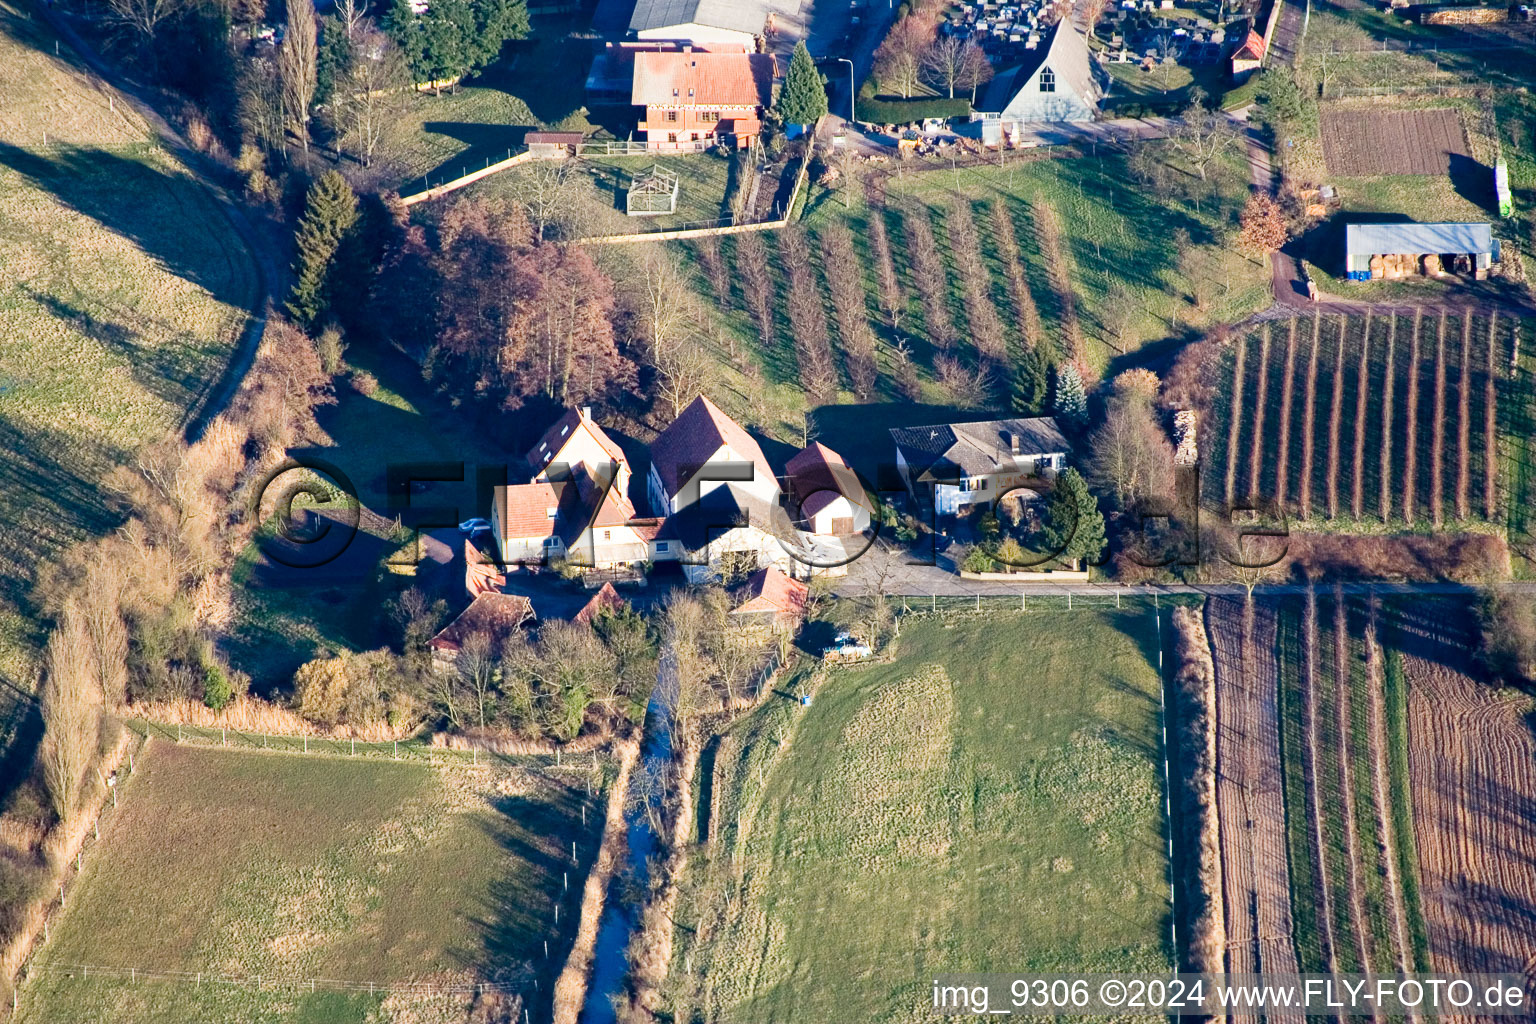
(803, 97)
(1071, 403)
(454, 38)
(330, 214)
(1074, 525)
(1031, 383)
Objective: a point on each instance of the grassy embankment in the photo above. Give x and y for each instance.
(990, 798)
(277, 869)
(123, 292)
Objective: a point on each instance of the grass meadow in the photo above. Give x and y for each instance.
(279, 868)
(989, 799)
(122, 294)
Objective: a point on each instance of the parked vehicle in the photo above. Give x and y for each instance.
(472, 527)
(846, 647)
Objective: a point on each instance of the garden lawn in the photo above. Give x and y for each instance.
(988, 800)
(283, 619)
(123, 291)
(288, 868)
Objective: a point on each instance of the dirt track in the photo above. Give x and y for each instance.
(1249, 794)
(1472, 762)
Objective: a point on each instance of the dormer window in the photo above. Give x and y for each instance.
(1047, 80)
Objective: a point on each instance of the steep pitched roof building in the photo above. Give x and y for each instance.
(703, 449)
(692, 97)
(826, 493)
(1059, 81)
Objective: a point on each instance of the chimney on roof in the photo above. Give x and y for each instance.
(586, 412)
(1015, 442)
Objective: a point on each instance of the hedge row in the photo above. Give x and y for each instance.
(889, 110)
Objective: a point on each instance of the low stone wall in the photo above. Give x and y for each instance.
(1054, 576)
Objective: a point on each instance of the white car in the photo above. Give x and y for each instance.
(846, 646)
(471, 527)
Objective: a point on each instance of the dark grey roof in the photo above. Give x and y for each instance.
(1066, 50)
(736, 15)
(947, 450)
(1394, 239)
(1006, 83)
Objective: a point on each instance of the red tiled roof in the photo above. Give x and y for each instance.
(493, 614)
(605, 599)
(818, 475)
(528, 510)
(480, 573)
(769, 590)
(559, 435)
(699, 432)
(554, 138)
(695, 79)
(1252, 48)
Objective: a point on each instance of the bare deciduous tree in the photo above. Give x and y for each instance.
(369, 91)
(102, 613)
(943, 62)
(71, 699)
(845, 281)
(975, 69)
(260, 104)
(899, 61)
(297, 64)
(892, 301)
(1202, 137)
(144, 18)
(546, 190)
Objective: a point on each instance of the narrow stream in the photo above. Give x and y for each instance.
(610, 961)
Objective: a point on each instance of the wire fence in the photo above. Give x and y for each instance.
(414, 749)
(1109, 598)
(263, 983)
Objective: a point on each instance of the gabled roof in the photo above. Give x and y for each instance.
(698, 433)
(492, 614)
(1063, 48)
(481, 574)
(605, 599)
(528, 510)
(817, 475)
(559, 435)
(1252, 48)
(562, 508)
(750, 16)
(723, 509)
(769, 590)
(946, 450)
(694, 78)
(1394, 239)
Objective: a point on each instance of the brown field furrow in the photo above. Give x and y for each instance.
(1362, 388)
(1386, 847)
(1335, 415)
(1309, 770)
(1386, 424)
(1491, 420)
(1260, 403)
(1472, 762)
(1287, 388)
(1304, 498)
(1437, 444)
(1411, 434)
(1342, 704)
(1372, 141)
(1235, 416)
(1250, 797)
(1464, 420)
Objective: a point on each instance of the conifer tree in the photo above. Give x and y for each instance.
(803, 98)
(1071, 404)
(1031, 383)
(1074, 525)
(330, 214)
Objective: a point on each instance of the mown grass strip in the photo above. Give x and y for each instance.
(1288, 657)
(1395, 693)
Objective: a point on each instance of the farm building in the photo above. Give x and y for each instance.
(1249, 57)
(956, 465)
(552, 145)
(692, 97)
(490, 615)
(1059, 81)
(829, 497)
(1389, 251)
(705, 22)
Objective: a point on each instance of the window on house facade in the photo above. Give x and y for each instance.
(661, 545)
(1047, 80)
(672, 136)
(671, 115)
(710, 116)
(607, 535)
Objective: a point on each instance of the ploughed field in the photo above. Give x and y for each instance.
(990, 799)
(1370, 421)
(1358, 143)
(245, 887)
